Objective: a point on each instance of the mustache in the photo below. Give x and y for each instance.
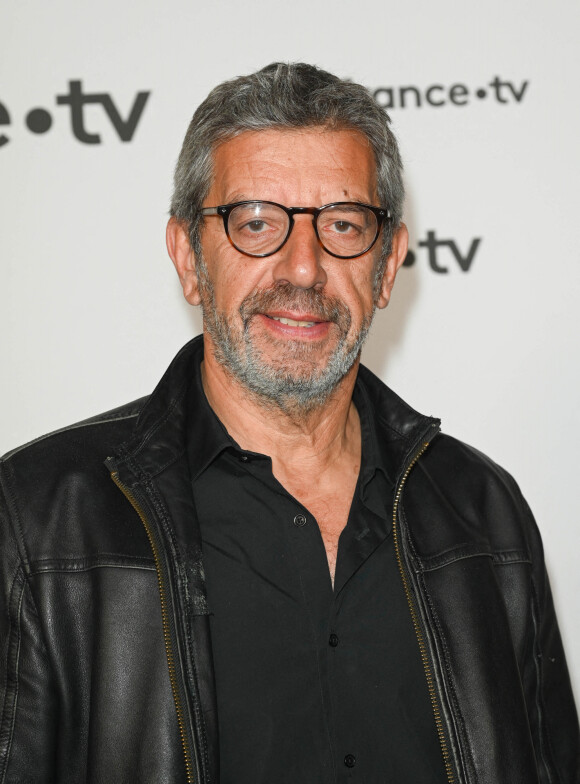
(285, 295)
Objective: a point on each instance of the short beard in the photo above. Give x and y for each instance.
(277, 385)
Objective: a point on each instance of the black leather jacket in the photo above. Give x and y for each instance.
(105, 655)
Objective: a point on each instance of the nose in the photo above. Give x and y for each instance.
(300, 261)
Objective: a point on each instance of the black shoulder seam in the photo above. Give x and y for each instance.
(113, 416)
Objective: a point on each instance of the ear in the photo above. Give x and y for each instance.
(393, 265)
(183, 259)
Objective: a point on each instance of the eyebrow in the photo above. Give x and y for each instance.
(241, 197)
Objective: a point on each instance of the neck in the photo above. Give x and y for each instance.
(294, 437)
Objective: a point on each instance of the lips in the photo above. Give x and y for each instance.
(289, 322)
(293, 307)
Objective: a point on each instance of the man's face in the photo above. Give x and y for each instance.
(289, 326)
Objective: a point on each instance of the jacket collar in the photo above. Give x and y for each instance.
(152, 469)
(160, 434)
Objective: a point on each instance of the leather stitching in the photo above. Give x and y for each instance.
(458, 715)
(447, 557)
(12, 506)
(103, 560)
(542, 727)
(453, 702)
(98, 420)
(163, 517)
(12, 654)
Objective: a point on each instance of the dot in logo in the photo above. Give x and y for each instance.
(38, 120)
(481, 93)
(409, 259)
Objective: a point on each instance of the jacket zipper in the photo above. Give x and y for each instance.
(411, 604)
(416, 623)
(165, 622)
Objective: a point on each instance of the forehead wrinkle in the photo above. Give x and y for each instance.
(255, 181)
(260, 171)
(274, 188)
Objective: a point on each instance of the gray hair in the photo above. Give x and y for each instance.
(283, 95)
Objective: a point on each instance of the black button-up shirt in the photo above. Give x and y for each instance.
(315, 685)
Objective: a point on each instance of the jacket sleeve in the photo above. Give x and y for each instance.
(546, 682)
(27, 696)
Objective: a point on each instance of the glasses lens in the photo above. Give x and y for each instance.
(258, 227)
(347, 229)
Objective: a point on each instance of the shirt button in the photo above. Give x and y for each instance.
(299, 520)
(244, 458)
(333, 640)
(350, 760)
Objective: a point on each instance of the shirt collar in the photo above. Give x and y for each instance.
(208, 438)
(375, 486)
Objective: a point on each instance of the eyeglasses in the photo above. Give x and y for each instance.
(345, 229)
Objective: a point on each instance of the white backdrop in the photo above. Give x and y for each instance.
(92, 311)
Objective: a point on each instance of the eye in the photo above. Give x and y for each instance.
(343, 227)
(347, 220)
(255, 226)
(256, 219)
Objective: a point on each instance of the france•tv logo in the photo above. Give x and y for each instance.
(39, 120)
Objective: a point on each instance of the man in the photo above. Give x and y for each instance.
(281, 572)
